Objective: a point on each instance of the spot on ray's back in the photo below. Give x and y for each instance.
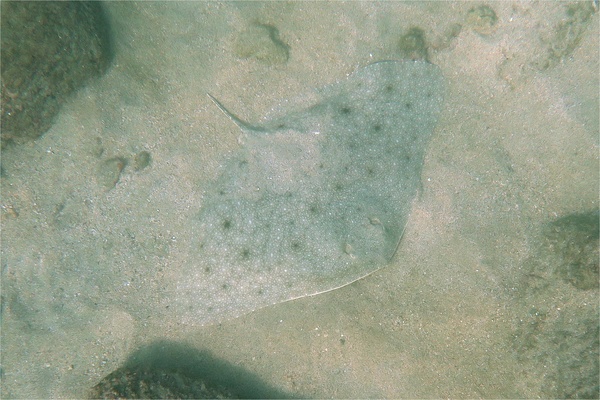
(315, 198)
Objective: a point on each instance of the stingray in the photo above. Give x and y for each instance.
(316, 197)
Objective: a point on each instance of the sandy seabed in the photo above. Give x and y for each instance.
(454, 315)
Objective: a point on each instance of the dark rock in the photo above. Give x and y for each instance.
(155, 384)
(171, 370)
(574, 241)
(557, 340)
(49, 50)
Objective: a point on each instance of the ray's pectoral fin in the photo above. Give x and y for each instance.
(317, 197)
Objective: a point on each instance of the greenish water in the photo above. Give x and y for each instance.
(470, 305)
